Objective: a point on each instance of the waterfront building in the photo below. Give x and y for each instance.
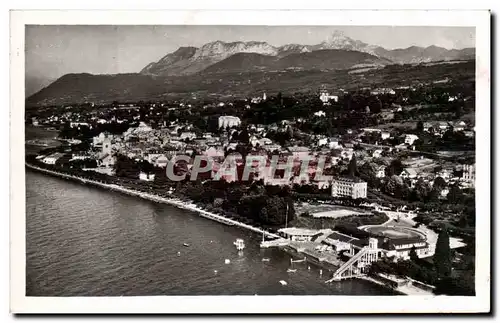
(400, 248)
(107, 160)
(146, 177)
(229, 121)
(52, 159)
(342, 241)
(298, 234)
(79, 156)
(349, 187)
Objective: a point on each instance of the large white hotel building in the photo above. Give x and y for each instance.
(349, 187)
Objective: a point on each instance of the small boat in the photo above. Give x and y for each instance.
(185, 244)
(290, 270)
(282, 282)
(240, 244)
(178, 253)
(300, 260)
(265, 259)
(227, 261)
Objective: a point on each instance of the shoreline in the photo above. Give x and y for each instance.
(158, 199)
(409, 290)
(175, 202)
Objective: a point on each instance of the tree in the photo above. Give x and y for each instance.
(455, 195)
(352, 168)
(421, 189)
(243, 136)
(393, 184)
(395, 168)
(439, 183)
(413, 255)
(420, 127)
(442, 256)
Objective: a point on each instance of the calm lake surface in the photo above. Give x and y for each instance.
(85, 241)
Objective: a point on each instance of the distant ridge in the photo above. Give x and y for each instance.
(216, 81)
(191, 60)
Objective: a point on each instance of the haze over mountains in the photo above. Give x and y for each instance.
(209, 69)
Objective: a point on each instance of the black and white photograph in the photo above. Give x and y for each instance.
(321, 158)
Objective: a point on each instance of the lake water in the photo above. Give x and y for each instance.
(85, 241)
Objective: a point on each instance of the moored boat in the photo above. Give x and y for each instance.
(240, 244)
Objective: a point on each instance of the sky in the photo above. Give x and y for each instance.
(52, 51)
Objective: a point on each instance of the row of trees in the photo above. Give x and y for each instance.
(264, 205)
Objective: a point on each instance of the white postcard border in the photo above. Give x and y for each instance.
(251, 304)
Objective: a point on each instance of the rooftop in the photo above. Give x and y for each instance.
(349, 180)
(298, 231)
(342, 237)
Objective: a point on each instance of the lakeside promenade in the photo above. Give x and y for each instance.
(159, 199)
(290, 248)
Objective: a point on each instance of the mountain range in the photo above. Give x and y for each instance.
(230, 57)
(241, 68)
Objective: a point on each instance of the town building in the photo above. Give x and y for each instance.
(98, 140)
(469, 173)
(380, 171)
(162, 161)
(409, 173)
(325, 97)
(349, 187)
(377, 153)
(229, 121)
(187, 135)
(383, 91)
(410, 139)
(333, 143)
(320, 113)
(298, 151)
